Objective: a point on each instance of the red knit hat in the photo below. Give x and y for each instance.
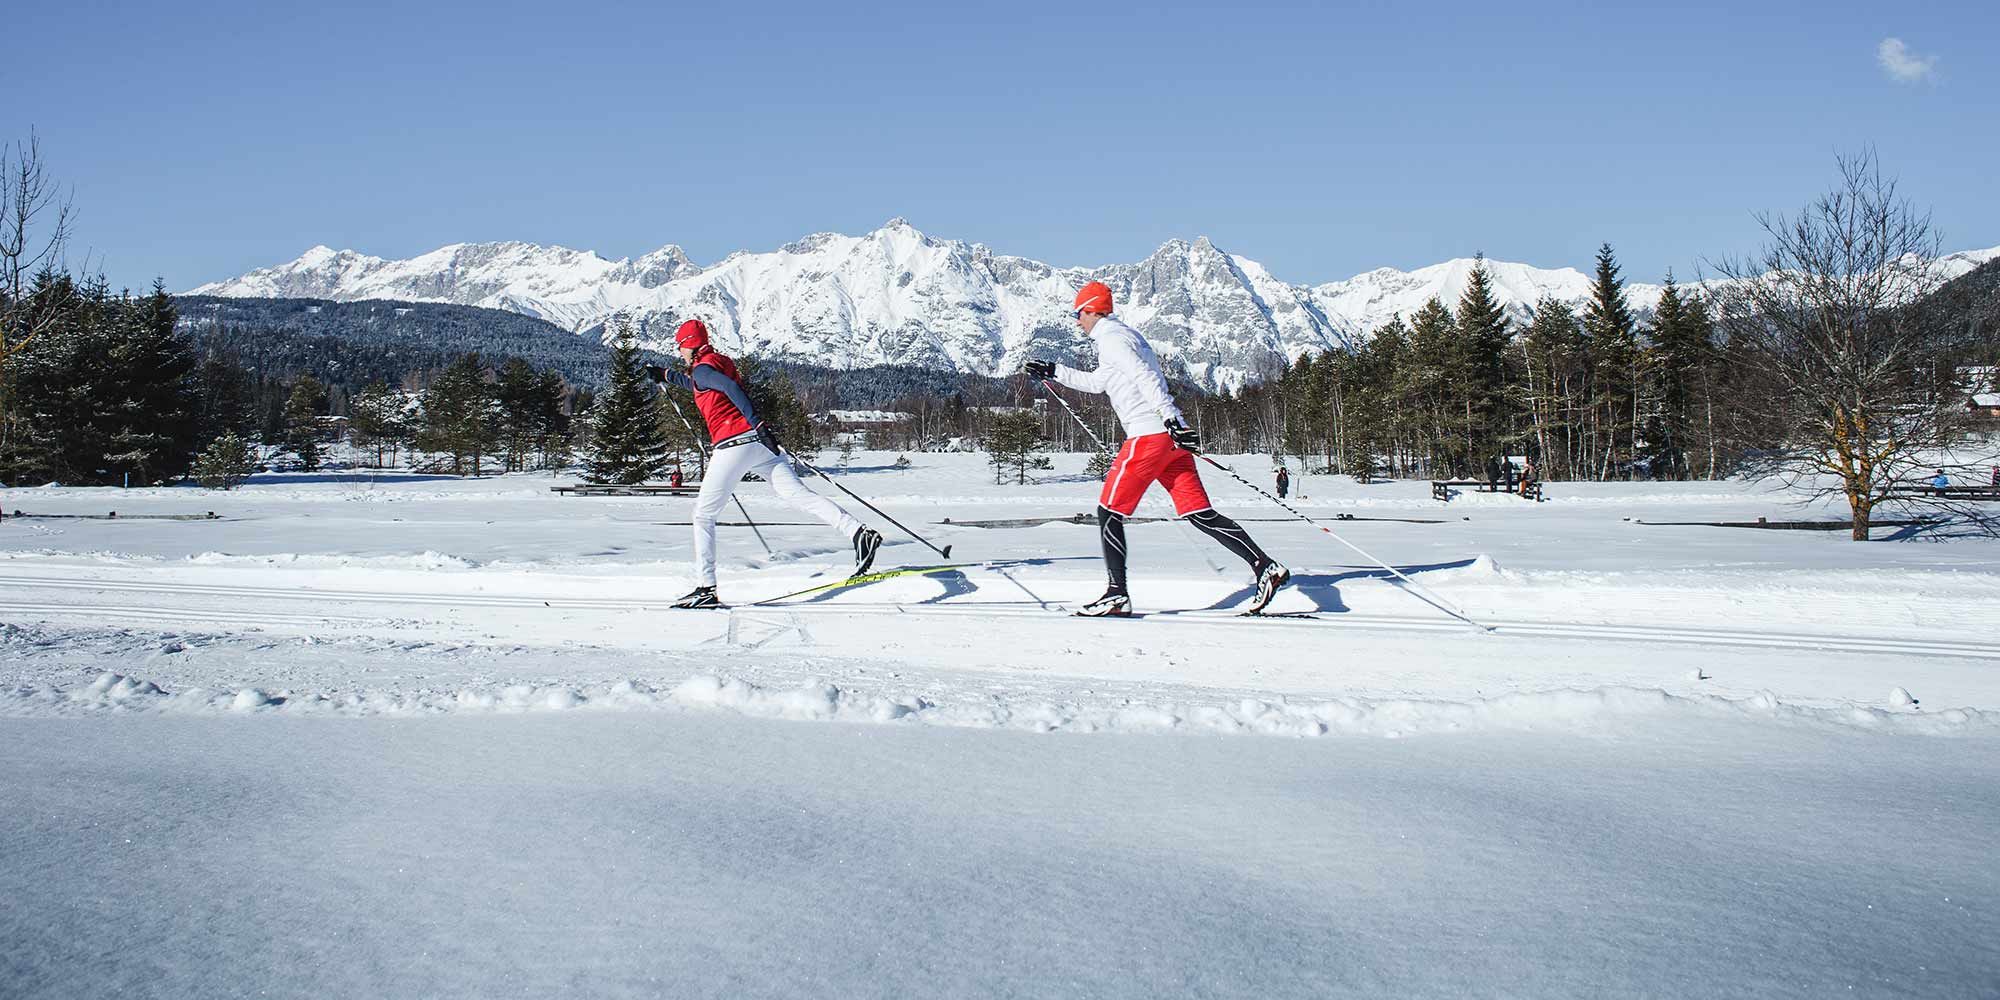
(1094, 298)
(693, 334)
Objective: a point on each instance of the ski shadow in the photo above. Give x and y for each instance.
(1323, 589)
(955, 583)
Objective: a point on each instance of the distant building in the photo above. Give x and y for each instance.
(1984, 384)
(862, 419)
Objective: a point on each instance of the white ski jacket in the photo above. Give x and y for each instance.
(1129, 373)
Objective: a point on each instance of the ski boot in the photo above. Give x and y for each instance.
(1269, 579)
(1114, 604)
(866, 541)
(699, 597)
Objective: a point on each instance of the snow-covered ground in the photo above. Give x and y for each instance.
(398, 735)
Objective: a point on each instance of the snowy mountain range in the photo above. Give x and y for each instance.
(898, 296)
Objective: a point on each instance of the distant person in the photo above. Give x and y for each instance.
(1159, 448)
(1527, 474)
(674, 479)
(1494, 469)
(1284, 482)
(1942, 481)
(743, 444)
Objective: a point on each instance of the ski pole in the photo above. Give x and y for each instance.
(815, 470)
(1073, 415)
(745, 511)
(1421, 591)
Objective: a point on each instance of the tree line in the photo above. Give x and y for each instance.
(1593, 394)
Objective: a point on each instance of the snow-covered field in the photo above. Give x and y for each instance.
(407, 736)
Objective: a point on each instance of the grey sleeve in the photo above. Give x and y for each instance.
(706, 377)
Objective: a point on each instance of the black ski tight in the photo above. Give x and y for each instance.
(1231, 535)
(1111, 533)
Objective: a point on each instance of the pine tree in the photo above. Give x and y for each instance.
(1484, 333)
(225, 399)
(150, 392)
(1555, 387)
(1433, 369)
(627, 445)
(551, 423)
(1682, 349)
(375, 417)
(1614, 363)
(225, 463)
(302, 413)
(458, 415)
(1010, 443)
(520, 412)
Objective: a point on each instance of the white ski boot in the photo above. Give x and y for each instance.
(699, 597)
(1269, 579)
(1112, 605)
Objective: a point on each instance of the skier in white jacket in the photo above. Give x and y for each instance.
(1159, 447)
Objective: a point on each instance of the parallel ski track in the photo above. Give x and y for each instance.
(1053, 613)
(1678, 635)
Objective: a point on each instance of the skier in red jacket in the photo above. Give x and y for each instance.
(742, 443)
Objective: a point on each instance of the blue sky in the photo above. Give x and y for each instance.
(206, 139)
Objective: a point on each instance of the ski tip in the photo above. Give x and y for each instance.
(946, 551)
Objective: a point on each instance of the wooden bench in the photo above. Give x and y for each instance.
(1925, 490)
(641, 490)
(1441, 488)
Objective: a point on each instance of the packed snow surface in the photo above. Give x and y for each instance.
(389, 734)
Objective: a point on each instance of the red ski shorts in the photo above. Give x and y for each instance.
(1143, 461)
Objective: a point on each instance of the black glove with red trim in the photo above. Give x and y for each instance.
(1185, 437)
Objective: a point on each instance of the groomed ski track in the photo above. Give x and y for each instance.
(15, 588)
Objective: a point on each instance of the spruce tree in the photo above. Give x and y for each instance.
(150, 392)
(225, 399)
(1010, 443)
(1682, 347)
(302, 413)
(1433, 369)
(627, 445)
(551, 423)
(225, 463)
(375, 417)
(520, 412)
(1555, 386)
(459, 417)
(1614, 361)
(1484, 334)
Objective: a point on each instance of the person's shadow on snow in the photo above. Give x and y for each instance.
(1323, 589)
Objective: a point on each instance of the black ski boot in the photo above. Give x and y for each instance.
(866, 541)
(1269, 579)
(699, 597)
(1114, 604)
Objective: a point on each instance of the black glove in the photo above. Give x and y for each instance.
(767, 433)
(1041, 369)
(656, 373)
(1184, 436)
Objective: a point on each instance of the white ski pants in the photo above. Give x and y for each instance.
(726, 468)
